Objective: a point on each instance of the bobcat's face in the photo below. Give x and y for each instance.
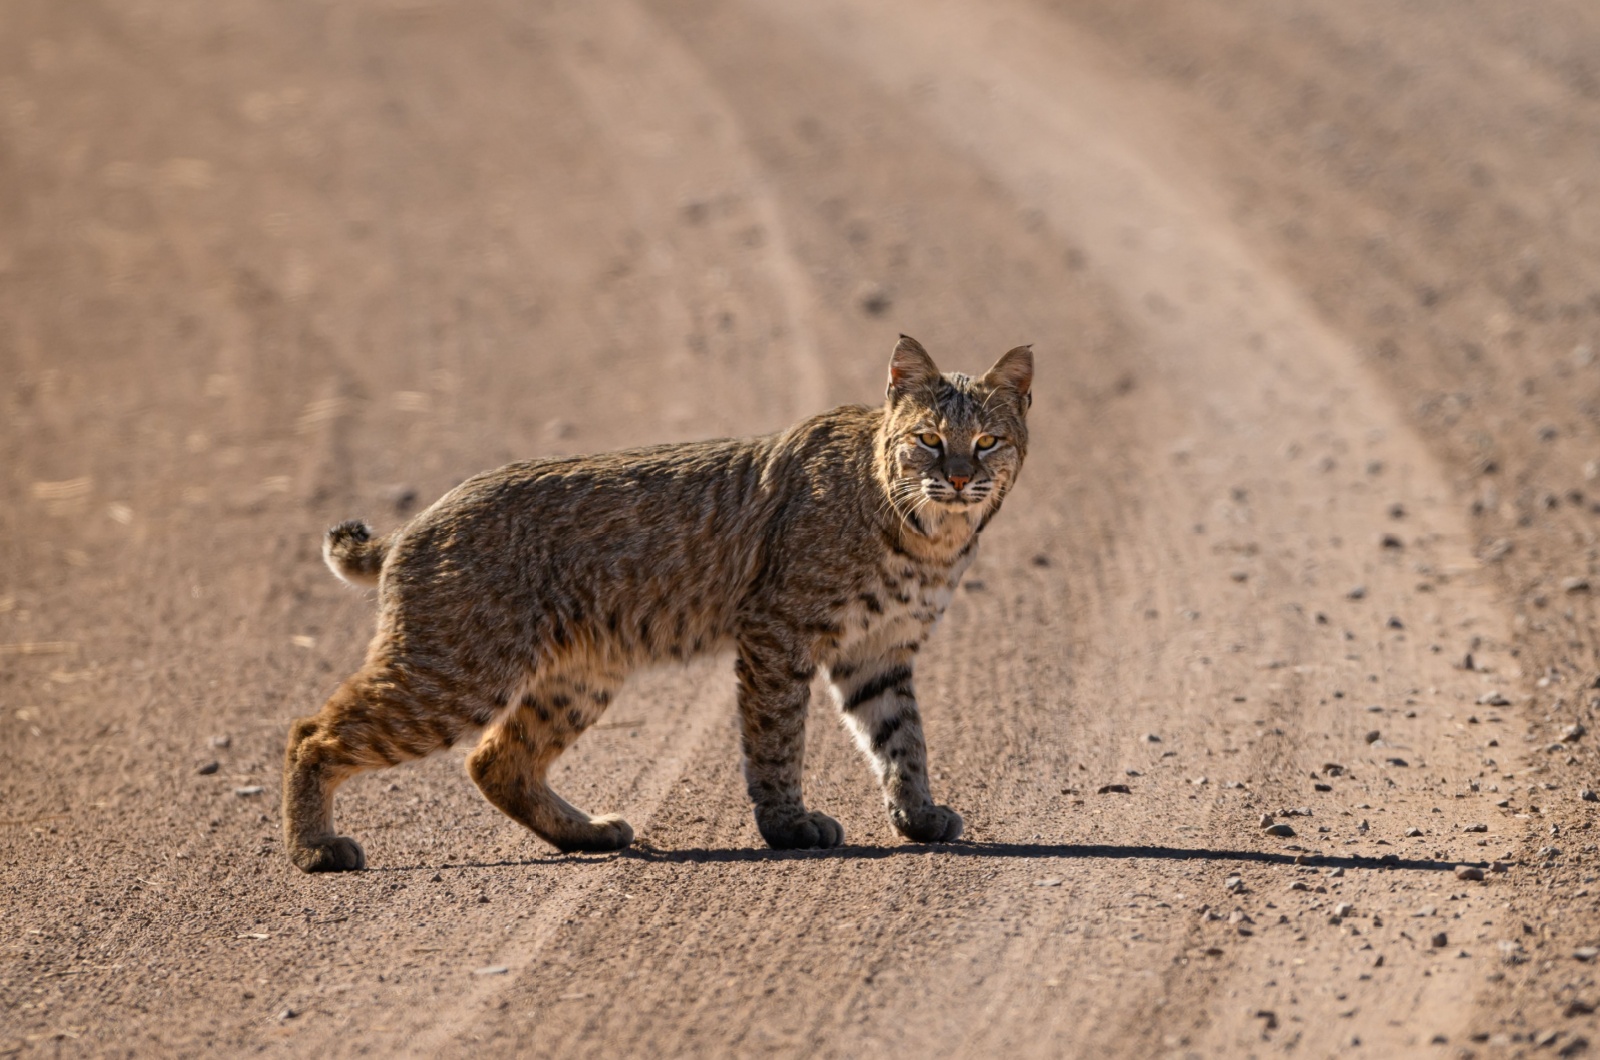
(951, 440)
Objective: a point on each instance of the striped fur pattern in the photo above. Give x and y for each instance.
(513, 609)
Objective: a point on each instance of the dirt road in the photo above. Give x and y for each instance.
(1308, 529)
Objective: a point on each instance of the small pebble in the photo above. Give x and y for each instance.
(1439, 940)
(1575, 585)
(493, 969)
(1048, 881)
(1468, 872)
(1493, 699)
(1588, 795)
(208, 769)
(221, 741)
(1235, 884)
(1357, 592)
(1114, 789)
(1283, 831)
(1412, 833)
(253, 789)
(288, 1014)
(1374, 736)
(1476, 828)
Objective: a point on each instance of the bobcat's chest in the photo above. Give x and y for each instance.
(899, 605)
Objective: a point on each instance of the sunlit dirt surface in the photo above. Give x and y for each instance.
(1307, 531)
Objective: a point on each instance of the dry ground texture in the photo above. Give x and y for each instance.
(1309, 528)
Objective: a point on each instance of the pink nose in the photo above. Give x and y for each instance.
(960, 480)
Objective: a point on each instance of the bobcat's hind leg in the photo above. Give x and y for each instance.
(371, 722)
(512, 761)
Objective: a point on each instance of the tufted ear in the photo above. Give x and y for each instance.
(910, 367)
(1014, 372)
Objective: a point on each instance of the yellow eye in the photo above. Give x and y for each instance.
(929, 439)
(985, 441)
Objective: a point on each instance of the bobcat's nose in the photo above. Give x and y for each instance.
(958, 481)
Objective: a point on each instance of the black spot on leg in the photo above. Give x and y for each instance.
(885, 733)
(872, 603)
(561, 702)
(896, 679)
(843, 671)
(529, 700)
(575, 718)
(601, 697)
(543, 712)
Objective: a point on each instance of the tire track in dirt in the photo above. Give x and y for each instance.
(679, 157)
(1080, 145)
(681, 152)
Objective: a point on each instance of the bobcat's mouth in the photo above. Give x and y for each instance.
(946, 497)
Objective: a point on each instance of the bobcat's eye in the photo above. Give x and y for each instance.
(930, 439)
(985, 441)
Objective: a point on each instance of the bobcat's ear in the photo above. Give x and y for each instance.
(910, 367)
(1014, 372)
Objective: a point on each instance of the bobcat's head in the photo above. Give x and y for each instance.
(952, 441)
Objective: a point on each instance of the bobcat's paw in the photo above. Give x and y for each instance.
(337, 853)
(927, 824)
(807, 831)
(600, 834)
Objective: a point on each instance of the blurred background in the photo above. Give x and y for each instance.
(1298, 275)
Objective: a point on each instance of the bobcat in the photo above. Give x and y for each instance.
(517, 604)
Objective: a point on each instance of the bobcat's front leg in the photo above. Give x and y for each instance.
(774, 694)
(880, 707)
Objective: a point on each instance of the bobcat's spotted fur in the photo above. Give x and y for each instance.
(517, 604)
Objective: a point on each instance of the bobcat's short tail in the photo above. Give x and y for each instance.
(354, 554)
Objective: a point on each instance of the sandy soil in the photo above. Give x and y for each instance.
(1308, 529)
